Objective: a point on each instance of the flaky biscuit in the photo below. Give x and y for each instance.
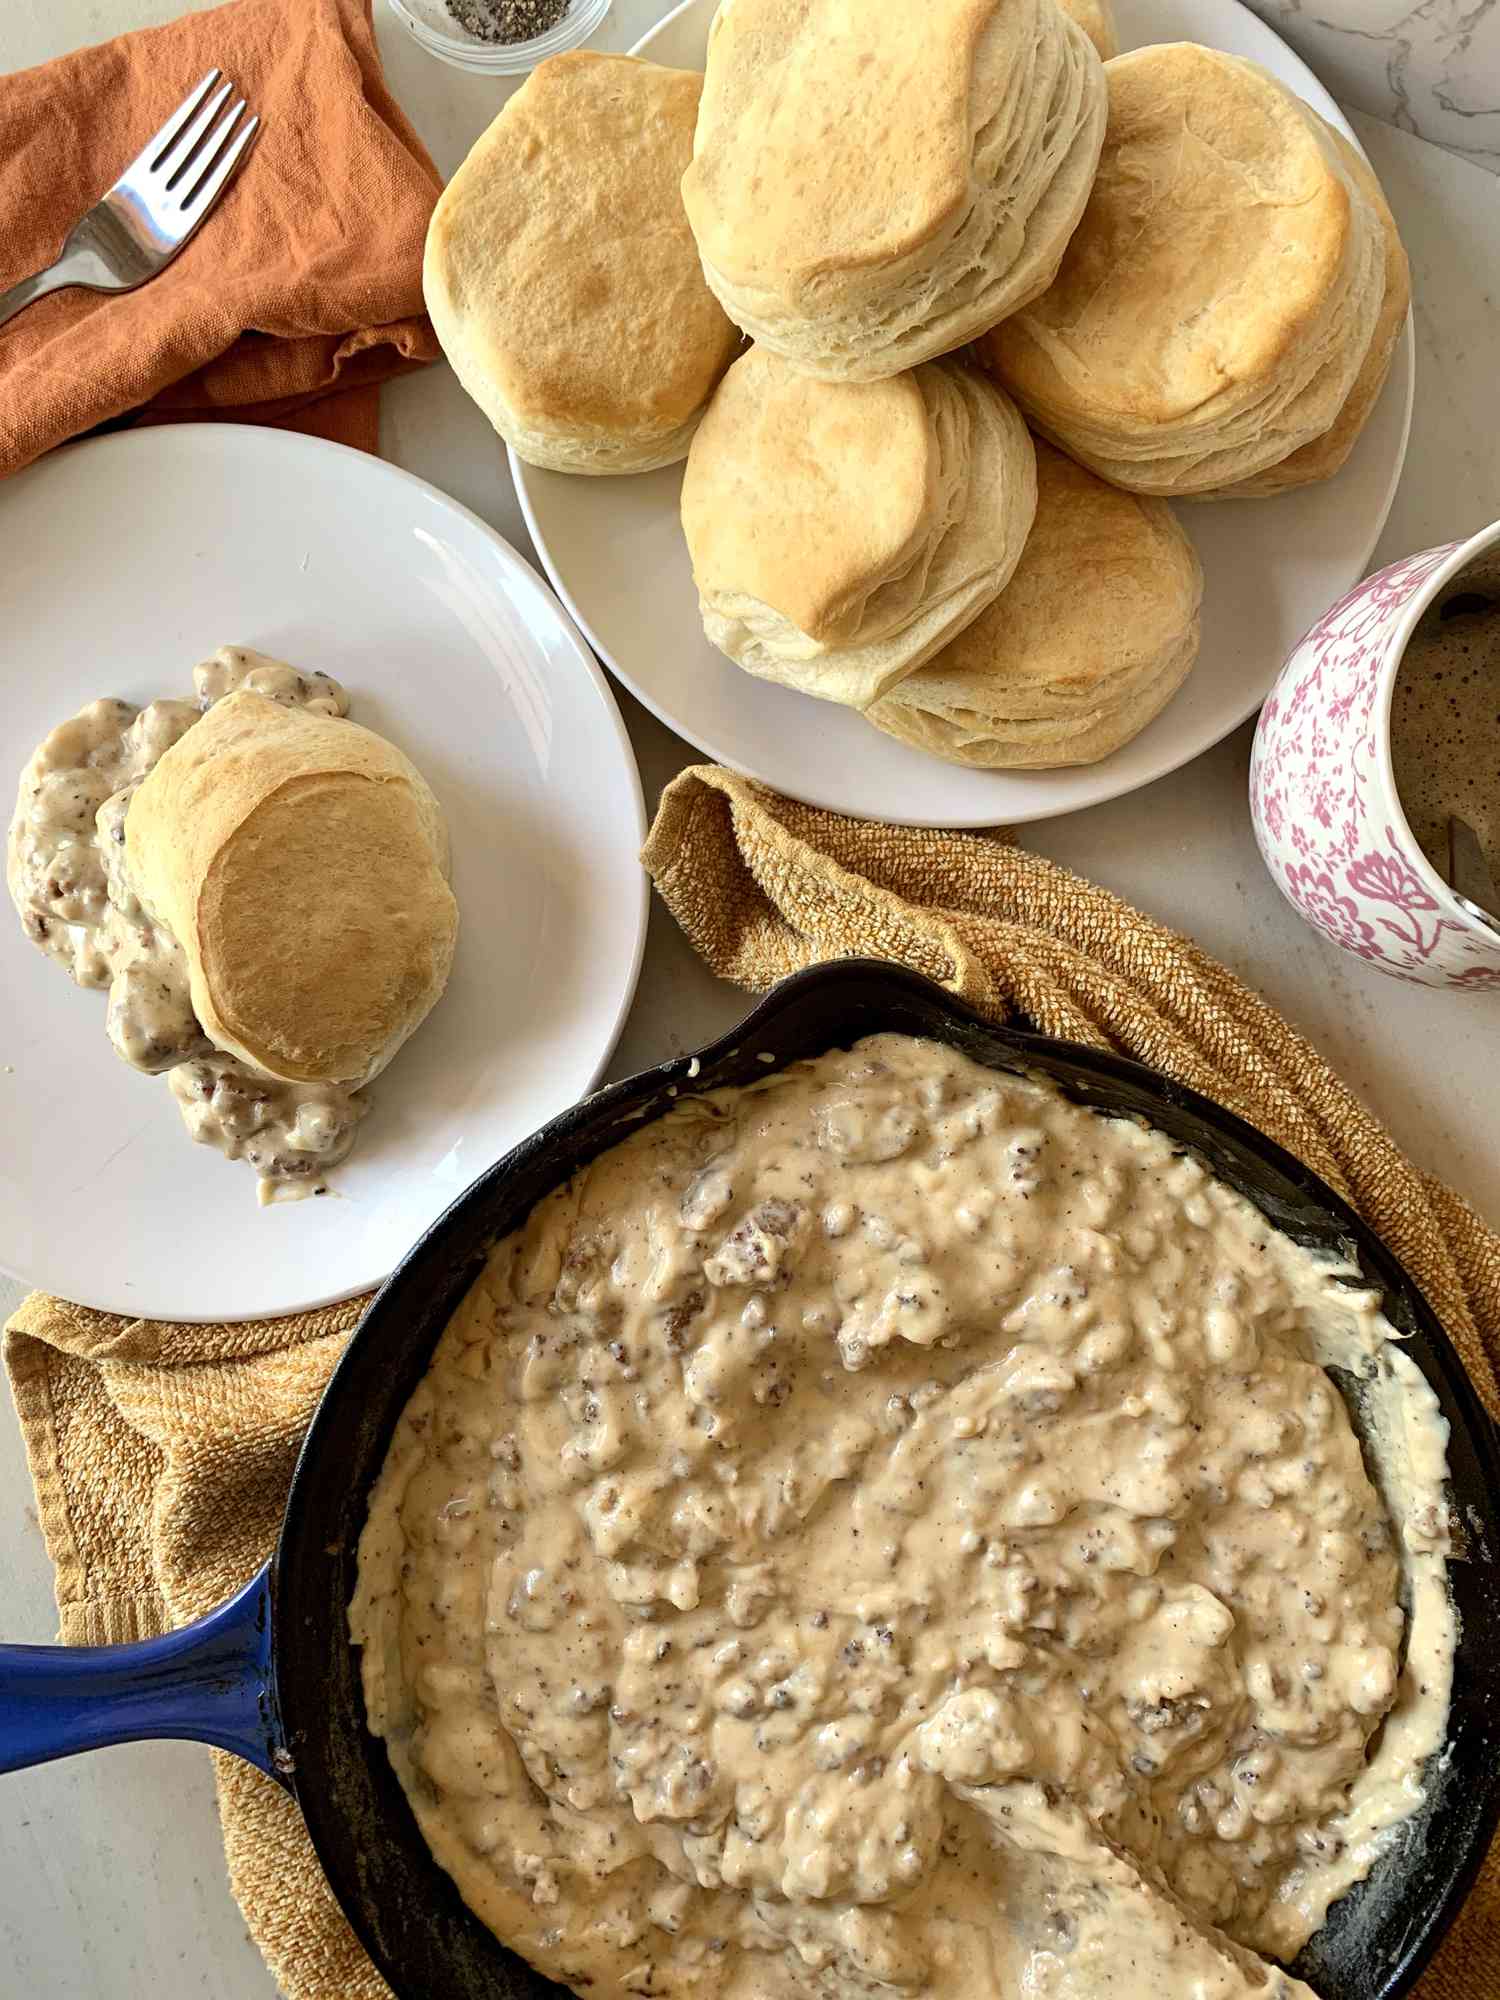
(301, 863)
(561, 275)
(1219, 298)
(841, 533)
(1324, 455)
(873, 186)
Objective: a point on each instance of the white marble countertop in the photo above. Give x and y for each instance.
(1431, 67)
(111, 1876)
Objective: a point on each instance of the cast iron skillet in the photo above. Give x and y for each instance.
(272, 1675)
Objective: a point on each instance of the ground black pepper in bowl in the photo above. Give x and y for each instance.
(506, 21)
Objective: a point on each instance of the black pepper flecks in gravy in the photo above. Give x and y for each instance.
(68, 879)
(891, 1529)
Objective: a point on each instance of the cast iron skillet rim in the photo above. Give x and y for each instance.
(410, 1284)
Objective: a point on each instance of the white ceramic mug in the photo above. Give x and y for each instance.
(1323, 796)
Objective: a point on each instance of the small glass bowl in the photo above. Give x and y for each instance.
(434, 29)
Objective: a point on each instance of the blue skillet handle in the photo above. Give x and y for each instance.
(210, 1682)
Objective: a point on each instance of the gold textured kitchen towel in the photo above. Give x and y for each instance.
(162, 1454)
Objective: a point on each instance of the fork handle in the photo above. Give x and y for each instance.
(23, 293)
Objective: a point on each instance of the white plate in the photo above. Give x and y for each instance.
(614, 550)
(128, 559)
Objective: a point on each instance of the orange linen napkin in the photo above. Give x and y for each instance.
(307, 277)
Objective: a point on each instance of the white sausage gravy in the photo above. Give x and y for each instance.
(889, 1530)
(65, 867)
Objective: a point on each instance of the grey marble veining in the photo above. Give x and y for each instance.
(1429, 66)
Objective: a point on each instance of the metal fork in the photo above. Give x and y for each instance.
(155, 205)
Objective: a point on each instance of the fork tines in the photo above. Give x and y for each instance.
(198, 148)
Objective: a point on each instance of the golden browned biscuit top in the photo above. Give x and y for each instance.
(806, 495)
(560, 267)
(834, 135)
(1107, 582)
(1217, 229)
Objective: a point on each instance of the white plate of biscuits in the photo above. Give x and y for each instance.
(849, 571)
(319, 692)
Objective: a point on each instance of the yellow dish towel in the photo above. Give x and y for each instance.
(162, 1454)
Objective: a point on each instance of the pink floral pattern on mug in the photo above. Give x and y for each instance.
(1328, 824)
(1316, 895)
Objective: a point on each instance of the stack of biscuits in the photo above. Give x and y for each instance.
(1009, 294)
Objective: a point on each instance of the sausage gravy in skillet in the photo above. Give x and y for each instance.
(889, 1530)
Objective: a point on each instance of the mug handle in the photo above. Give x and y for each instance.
(210, 1682)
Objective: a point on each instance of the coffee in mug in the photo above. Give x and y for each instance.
(1445, 716)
